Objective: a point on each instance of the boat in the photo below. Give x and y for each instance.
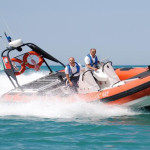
(126, 87)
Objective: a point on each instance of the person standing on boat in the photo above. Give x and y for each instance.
(72, 71)
(91, 60)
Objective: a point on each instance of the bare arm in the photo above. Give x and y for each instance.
(90, 67)
(68, 78)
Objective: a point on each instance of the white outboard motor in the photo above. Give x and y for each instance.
(16, 43)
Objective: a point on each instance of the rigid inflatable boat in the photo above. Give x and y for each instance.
(130, 87)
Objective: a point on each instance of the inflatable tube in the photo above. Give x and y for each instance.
(126, 73)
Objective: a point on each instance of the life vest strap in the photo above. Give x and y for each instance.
(91, 60)
(70, 71)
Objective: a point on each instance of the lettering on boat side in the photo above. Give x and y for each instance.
(97, 96)
(105, 94)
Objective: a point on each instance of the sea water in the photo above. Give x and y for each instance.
(59, 124)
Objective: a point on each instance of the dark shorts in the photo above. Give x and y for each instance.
(75, 80)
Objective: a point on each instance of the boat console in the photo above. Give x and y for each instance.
(93, 81)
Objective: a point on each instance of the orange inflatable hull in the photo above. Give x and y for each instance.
(126, 73)
(121, 94)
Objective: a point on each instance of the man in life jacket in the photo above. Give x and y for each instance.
(91, 60)
(72, 71)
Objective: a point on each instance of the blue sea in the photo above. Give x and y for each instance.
(58, 124)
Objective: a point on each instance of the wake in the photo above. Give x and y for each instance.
(54, 107)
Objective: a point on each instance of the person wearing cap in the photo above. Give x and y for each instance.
(91, 60)
(72, 71)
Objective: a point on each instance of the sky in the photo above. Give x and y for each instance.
(118, 29)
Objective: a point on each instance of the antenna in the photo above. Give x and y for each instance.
(7, 37)
(7, 29)
(3, 42)
(6, 25)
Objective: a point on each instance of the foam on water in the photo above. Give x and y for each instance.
(54, 107)
(6, 85)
